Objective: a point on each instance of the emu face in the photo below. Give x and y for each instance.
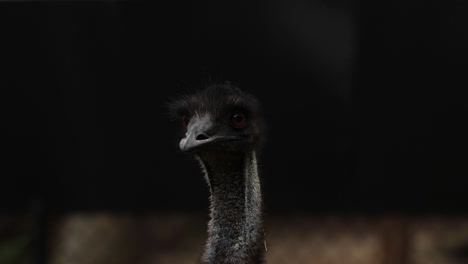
(221, 117)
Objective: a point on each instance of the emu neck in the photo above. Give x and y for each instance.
(234, 231)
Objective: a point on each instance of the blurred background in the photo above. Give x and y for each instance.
(366, 157)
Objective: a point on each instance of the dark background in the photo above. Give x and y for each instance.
(364, 102)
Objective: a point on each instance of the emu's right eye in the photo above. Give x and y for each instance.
(185, 120)
(238, 120)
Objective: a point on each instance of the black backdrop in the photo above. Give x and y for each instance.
(364, 102)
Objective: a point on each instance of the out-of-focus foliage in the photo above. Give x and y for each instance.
(16, 240)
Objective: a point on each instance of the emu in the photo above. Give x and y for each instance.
(223, 128)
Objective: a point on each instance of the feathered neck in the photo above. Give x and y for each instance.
(235, 233)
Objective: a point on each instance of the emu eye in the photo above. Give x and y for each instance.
(185, 120)
(238, 120)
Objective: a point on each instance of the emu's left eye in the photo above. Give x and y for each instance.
(185, 120)
(238, 120)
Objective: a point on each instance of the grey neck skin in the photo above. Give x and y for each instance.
(235, 233)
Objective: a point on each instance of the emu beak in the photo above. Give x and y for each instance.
(198, 133)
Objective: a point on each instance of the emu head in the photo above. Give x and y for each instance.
(220, 117)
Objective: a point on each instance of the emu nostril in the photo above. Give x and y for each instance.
(201, 137)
